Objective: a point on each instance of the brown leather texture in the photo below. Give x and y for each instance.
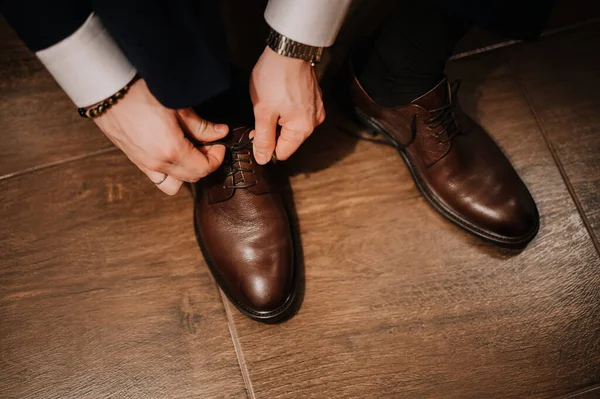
(244, 231)
(457, 166)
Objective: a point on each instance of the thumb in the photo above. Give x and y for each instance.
(199, 128)
(264, 136)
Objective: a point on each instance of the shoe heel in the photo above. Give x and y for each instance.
(372, 128)
(363, 121)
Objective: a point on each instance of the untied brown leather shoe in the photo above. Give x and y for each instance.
(455, 164)
(244, 231)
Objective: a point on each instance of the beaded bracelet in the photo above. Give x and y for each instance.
(106, 104)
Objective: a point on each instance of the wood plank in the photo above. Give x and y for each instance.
(562, 79)
(399, 303)
(103, 291)
(38, 122)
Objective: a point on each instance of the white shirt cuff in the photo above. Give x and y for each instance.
(88, 65)
(312, 22)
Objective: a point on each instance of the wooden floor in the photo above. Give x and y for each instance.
(104, 293)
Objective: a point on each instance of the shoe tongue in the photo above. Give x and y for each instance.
(436, 97)
(238, 135)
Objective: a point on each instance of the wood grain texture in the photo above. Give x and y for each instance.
(561, 76)
(103, 291)
(399, 303)
(38, 122)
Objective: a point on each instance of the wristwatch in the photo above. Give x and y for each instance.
(287, 47)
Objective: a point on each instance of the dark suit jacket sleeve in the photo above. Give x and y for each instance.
(177, 46)
(42, 24)
(74, 45)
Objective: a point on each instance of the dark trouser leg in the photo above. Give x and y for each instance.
(407, 55)
(232, 106)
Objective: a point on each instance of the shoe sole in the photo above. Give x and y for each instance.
(505, 242)
(268, 317)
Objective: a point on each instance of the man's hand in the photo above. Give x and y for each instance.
(152, 136)
(284, 91)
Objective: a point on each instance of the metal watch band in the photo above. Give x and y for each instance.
(287, 47)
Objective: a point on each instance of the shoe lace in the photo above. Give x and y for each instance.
(446, 118)
(238, 157)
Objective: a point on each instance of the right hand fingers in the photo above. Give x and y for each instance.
(191, 164)
(200, 128)
(169, 185)
(179, 159)
(152, 137)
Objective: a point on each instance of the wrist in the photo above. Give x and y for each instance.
(103, 106)
(282, 59)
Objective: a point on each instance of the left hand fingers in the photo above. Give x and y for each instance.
(294, 133)
(290, 140)
(264, 135)
(320, 116)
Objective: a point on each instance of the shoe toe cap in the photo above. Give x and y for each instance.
(266, 293)
(515, 220)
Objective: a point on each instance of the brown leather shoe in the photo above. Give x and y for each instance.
(456, 165)
(244, 231)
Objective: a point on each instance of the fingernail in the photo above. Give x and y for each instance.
(221, 128)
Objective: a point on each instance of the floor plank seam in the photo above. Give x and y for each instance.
(590, 389)
(523, 86)
(237, 347)
(63, 161)
(507, 43)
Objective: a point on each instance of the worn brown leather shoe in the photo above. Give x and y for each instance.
(244, 231)
(456, 165)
